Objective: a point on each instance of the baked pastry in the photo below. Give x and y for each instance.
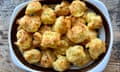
(32, 56)
(96, 48)
(45, 28)
(92, 34)
(58, 36)
(62, 47)
(47, 59)
(33, 7)
(37, 39)
(85, 60)
(77, 21)
(62, 9)
(29, 23)
(48, 15)
(50, 39)
(77, 8)
(24, 40)
(78, 33)
(75, 54)
(61, 64)
(93, 21)
(60, 25)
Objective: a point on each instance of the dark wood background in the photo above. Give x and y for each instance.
(6, 9)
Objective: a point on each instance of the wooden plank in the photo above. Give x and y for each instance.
(114, 10)
(112, 67)
(6, 9)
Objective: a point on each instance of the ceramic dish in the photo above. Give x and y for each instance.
(105, 33)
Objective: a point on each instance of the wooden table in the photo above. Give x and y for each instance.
(6, 9)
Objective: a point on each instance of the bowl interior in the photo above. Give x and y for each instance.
(104, 33)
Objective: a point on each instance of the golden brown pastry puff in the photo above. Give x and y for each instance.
(77, 8)
(60, 25)
(32, 56)
(33, 7)
(50, 39)
(48, 15)
(45, 28)
(62, 9)
(24, 40)
(78, 33)
(29, 23)
(92, 34)
(94, 21)
(70, 43)
(75, 53)
(37, 39)
(61, 64)
(68, 21)
(62, 47)
(47, 59)
(84, 61)
(96, 48)
(77, 21)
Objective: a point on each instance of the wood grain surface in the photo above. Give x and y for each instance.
(6, 9)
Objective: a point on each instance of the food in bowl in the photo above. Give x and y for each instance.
(71, 37)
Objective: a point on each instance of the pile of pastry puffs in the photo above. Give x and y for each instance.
(61, 36)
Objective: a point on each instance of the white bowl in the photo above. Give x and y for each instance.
(102, 34)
